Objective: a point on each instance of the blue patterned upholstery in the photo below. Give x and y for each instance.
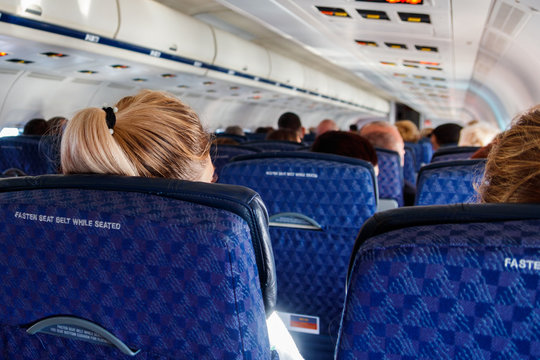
(409, 166)
(222, 154)
(275, 145)
(454, 153)
(445, 282)
(449, 182)
(170, 267)
(339, 194)
(31, 154)
(426, 151)
(390, 178)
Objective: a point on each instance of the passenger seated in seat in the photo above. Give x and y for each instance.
(153, 134)
(291, 121)
(386, 136)
(283, 135)
(36, 127)
(512, 173)
(346, 144)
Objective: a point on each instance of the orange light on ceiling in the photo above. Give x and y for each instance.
(430, 63)
(3, 53)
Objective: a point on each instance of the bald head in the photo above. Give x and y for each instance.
(384, 135)
(325, 126)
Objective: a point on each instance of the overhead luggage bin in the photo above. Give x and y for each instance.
(152, 25)
(315, 81)
(286, 71)
(241, 56)
(98, 17)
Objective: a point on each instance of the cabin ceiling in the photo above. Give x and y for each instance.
(249, 28)
(391, 55)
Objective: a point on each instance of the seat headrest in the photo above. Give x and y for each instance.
(402, 218)
(239, 200)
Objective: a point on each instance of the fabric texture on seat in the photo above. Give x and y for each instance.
(449, 182)
(222, 154)
(169, 267)
(426, 152)
(275, 145)
(390, 178)
(339, 194)
(409, 166)
(445, 282)
(34, 155)
(454, 153)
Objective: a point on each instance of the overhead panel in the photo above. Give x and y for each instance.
(97, 17)
(332, 11)
(414, 17)
(373, 14)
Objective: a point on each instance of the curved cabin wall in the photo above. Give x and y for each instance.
(118, 31)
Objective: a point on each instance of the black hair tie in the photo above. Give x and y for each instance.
(110, 118)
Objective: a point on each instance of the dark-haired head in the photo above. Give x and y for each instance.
(445, 135)
(345, 144)
(36, 127)
(289, 120)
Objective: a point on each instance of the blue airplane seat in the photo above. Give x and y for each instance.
(255, 136)
(275, 145)
(409, 166)
(449, 182)
(105, 267)
(454, 153)
(237, 138)
(445, 282)
(390, 178)
(222, 154)
(34, 155)
(426, 151)
(317, 204)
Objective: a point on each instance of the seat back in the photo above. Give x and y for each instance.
(237, 138)
(31, 154)
(170, 269)
(317, 203)
(445, 282)
(222, 154)
(449, 182)
(275, 145)
(390, 178)
(454, 153)
(426, 151)
(409, 166)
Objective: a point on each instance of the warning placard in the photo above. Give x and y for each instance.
(67, 220)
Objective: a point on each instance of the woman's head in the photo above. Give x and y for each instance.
(513, 166)
(155, 135)
(408, 130)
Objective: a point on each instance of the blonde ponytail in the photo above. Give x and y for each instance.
(156, 135)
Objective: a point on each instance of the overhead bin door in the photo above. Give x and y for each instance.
(154, 26)
(285, 70)
(99, 17)
(239, 55)
(315, 81)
